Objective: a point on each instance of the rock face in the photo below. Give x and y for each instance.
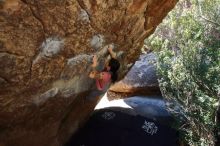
(141, 79)
(46, 48)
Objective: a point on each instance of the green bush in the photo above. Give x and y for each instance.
(188, 48)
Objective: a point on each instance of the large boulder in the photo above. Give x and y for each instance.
(141, 79)
(46, 48)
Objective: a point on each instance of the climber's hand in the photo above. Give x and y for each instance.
(94, 61)
(110, 49)
(111, 52)
(92, 74)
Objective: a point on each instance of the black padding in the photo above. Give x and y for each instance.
(114, 128)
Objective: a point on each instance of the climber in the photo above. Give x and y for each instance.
(109, 74)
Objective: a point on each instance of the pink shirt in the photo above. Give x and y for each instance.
(102, 83)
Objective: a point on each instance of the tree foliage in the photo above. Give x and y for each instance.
(188, 46)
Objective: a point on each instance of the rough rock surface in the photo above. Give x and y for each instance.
(46, 48)
(141, 79)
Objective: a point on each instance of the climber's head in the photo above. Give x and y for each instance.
(113, 66)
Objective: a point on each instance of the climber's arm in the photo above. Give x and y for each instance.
(111, 52)
(95, 75)
(94, 61)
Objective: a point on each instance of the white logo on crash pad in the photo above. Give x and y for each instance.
(108, 115)
(150, 127)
